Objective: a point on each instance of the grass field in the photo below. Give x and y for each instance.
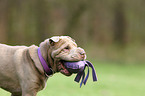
(113, 80)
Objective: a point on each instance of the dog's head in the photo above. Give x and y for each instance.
(61, 48)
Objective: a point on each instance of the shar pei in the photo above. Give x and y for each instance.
(21, 70)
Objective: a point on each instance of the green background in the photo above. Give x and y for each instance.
(113, 80)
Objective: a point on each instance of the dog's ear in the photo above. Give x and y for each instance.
(53, 40)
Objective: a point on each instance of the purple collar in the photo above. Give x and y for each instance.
(46, 68)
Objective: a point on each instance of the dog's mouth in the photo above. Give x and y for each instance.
(63, 69)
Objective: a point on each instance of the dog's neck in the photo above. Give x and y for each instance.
(46, 68)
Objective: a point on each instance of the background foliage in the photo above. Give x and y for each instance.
(111, 30)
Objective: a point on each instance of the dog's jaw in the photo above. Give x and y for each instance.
(60, 67)
(63, 69)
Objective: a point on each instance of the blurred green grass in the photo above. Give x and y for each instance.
(113, 80)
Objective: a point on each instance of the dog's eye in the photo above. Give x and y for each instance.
(67, 47)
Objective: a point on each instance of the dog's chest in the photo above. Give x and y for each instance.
(11, 86)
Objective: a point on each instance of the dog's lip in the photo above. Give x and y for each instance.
(63, 69)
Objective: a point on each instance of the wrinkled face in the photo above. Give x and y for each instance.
(64, 48)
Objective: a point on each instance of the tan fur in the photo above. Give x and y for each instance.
(21, 72)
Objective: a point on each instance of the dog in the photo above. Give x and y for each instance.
(21, 69)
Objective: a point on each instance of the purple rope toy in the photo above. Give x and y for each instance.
(79, 67)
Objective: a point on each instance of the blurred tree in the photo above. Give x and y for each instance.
(92, 23)
(120, 24)
(74, 19)
(3, 20)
